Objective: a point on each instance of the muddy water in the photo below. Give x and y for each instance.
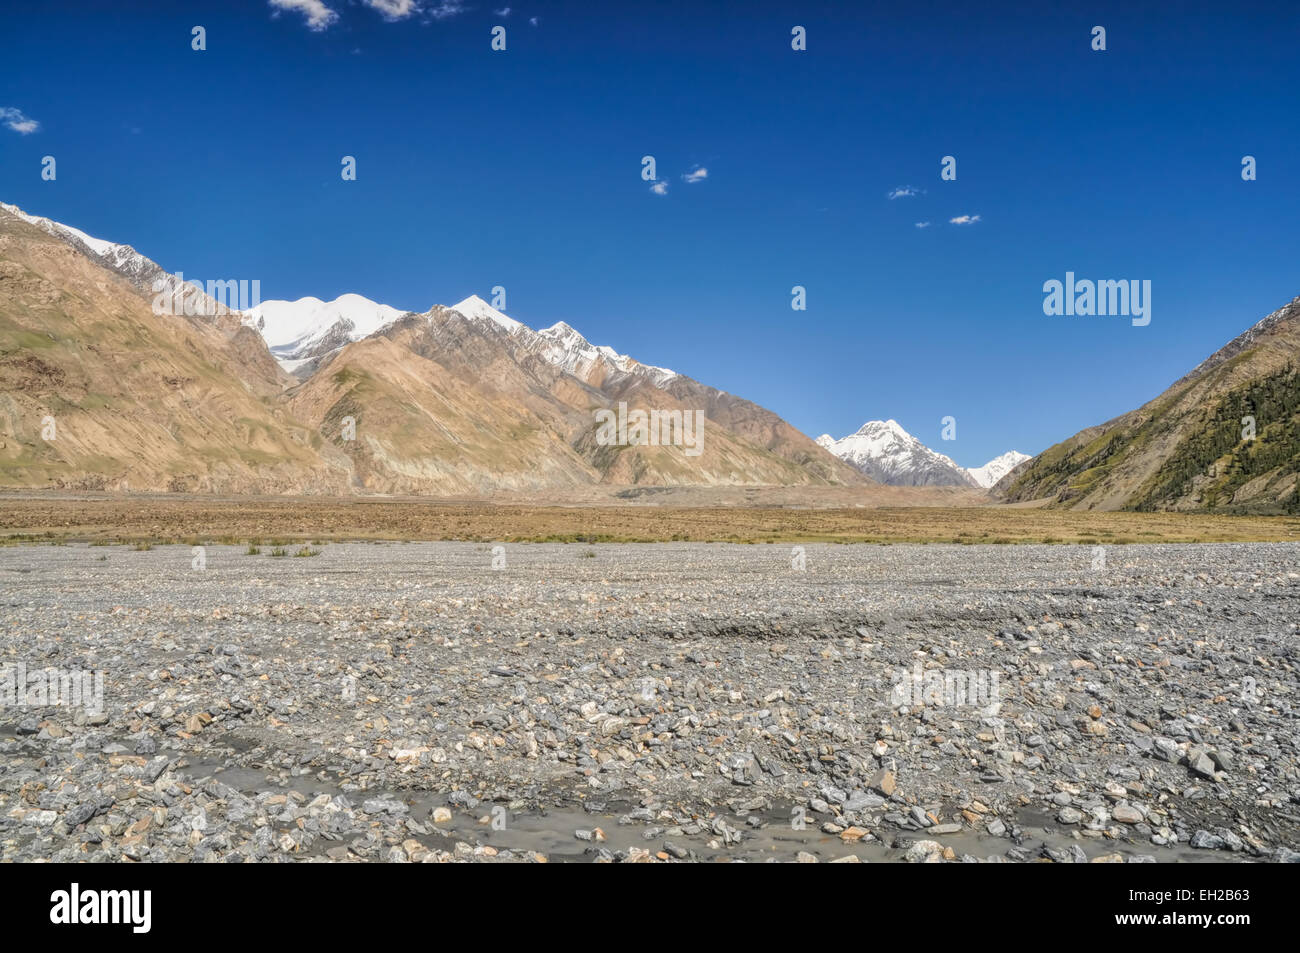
(551, 832)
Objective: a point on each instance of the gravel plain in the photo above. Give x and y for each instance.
(653, 703)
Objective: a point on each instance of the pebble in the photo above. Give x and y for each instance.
(659, 703)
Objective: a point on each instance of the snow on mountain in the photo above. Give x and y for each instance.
(64, 232)
(562, 345)
(883, 450)
(294, 331)
(299, 331)
(475, 307)
(178, 296)
(568, 349)
(123, 259)
(886, 452)
(993, 471)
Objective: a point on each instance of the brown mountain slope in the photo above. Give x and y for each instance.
(442, 403)
(751, 433)
(98, 392)
(448, 404)
(623, 379)
(1192, 446)
(419, 429)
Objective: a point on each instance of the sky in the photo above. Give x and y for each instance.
(775, 168)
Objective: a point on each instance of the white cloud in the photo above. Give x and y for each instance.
(922, 224)
(697, 174)
(660, 187)
(503, 12)
(393, 10)
(905, 192)
(447, 9)
(15, 120)
(964, 220)
(318, 15)
(533, 20)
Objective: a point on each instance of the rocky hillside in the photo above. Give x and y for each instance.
(1224, 437)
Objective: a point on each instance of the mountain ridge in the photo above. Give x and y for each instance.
(379, 400)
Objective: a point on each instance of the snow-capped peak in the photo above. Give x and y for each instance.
(122, 259)
(997, 468)
(144, 273)
(59, 230)
(882, 449)
(568, 349)
(884, 430)
(563, 331)
(475, 307)
(562, 345)
(297, 331)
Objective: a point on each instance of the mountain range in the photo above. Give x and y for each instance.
(98, 390)
(887, 453)
(103, 389)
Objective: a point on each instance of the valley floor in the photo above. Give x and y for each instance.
(637, 514)
(676, 701)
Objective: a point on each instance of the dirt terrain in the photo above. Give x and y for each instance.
(638, 515)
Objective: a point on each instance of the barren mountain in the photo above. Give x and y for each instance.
(459, 400)
(535, 423)
(98, 392)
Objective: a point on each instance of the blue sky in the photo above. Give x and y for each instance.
(523, 169)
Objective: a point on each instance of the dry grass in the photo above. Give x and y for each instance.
(47, 519)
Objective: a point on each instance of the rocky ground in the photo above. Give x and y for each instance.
(665, 702)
